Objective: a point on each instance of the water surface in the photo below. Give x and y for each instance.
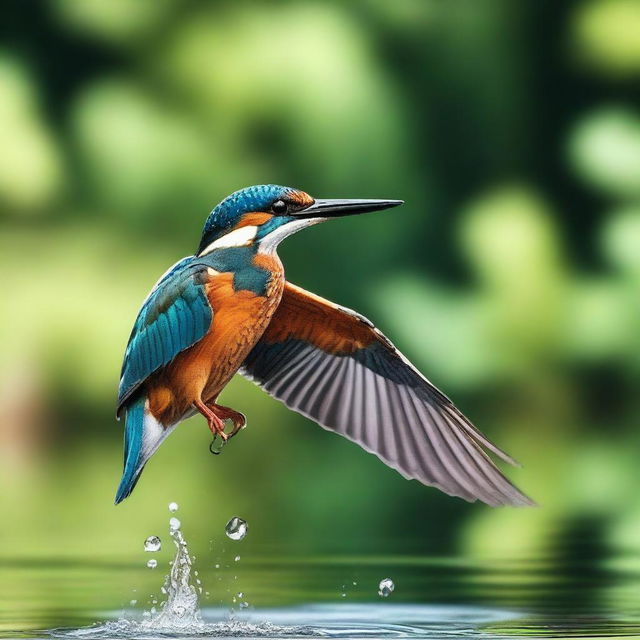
(316, 597)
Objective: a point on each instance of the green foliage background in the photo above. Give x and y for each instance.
(510, 277)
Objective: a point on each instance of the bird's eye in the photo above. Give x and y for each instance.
(279, 207)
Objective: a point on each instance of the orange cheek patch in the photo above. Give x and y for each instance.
(253, 219)
(301, 198)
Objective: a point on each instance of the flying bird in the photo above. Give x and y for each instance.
(229, 309)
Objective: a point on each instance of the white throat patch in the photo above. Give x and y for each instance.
(241, 237)
(270, 243)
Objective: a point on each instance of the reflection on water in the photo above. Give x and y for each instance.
(355, 621)
(434, 597)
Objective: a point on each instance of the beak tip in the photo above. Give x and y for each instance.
(338, 208)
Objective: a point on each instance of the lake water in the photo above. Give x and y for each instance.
(304, 597)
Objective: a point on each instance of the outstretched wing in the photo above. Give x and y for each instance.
(333, 366)
(175, 315)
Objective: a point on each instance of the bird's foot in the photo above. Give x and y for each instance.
(226, 413)
(238, 419)
(216, 426)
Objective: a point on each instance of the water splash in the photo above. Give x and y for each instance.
(179, 616)
(181, 607)
(346, 622)
(236, 528)
(386, 587)
(152, 544)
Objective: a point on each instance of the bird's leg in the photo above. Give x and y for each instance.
(226, 413)
(216, 425)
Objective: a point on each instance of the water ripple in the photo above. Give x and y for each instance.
(313, 621)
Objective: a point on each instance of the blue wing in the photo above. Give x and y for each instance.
(175, 315)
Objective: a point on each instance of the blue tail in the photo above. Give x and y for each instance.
(133, 434)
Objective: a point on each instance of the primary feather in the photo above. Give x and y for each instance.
(333, 366)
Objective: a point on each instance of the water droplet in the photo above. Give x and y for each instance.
(240, 595)
(173, 507)
(354, 583)
(236, 528)
(344, 595)
(216, 446)
(152, 543)
(179, 610)
(174, 524)
(133, 603)
(386, 587)
(244, 605)
(152, 564)
(217, 566)
(236, 559)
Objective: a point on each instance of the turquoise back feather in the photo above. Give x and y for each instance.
(175, 316)
(133, 434)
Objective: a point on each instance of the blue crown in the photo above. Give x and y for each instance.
(226, 214)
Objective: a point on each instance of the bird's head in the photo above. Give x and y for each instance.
(265, 214)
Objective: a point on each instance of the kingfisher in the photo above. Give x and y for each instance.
(228, 309)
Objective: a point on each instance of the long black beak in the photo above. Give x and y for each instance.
(338, 208)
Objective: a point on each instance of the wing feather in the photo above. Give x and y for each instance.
(333, 366)
(175, 315)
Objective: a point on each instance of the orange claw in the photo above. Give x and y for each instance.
(216, 425)
(226, 413)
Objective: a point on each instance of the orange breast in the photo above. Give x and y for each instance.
(202, 371)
